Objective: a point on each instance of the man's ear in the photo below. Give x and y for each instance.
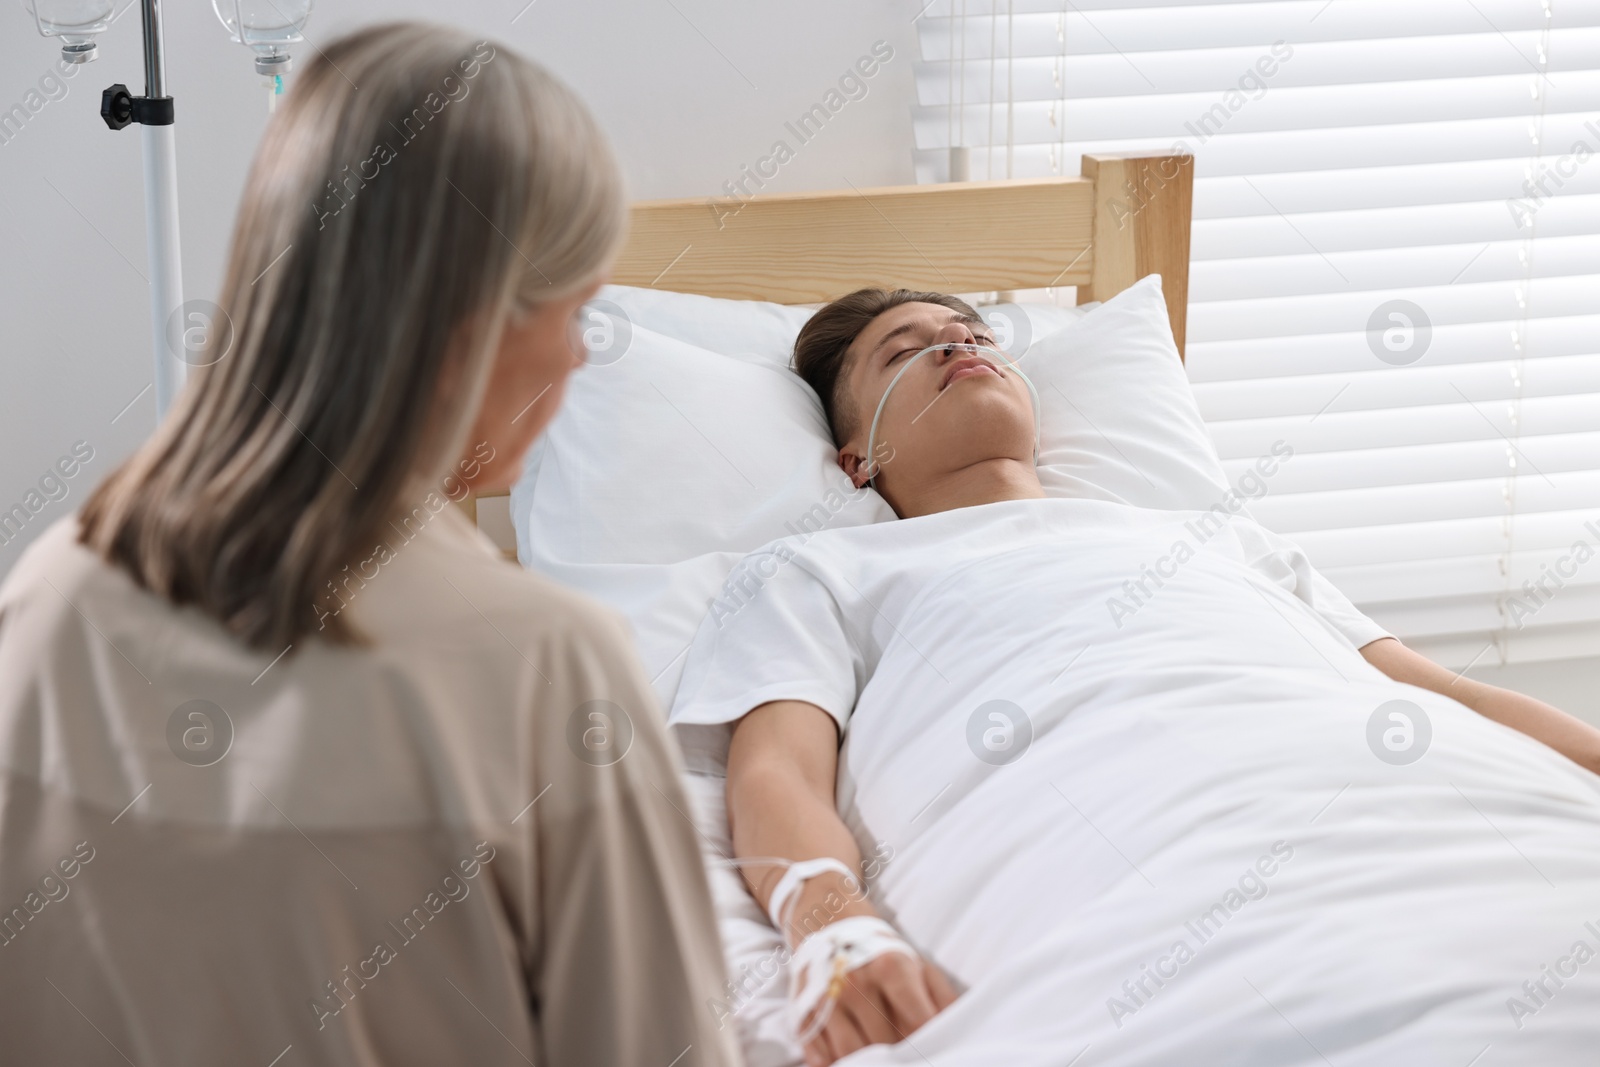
(854, 466)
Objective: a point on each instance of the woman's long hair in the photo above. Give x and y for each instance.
(415, 187)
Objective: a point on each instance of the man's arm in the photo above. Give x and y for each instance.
(1573, 738)
(782, 766)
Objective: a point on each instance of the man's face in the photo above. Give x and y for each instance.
(949, 411)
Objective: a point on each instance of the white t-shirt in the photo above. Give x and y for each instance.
(1048, 589)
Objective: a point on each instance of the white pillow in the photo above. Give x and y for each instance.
(1118, 420)
(676, 450)
(688, 441)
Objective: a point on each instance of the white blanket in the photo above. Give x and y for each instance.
(1205, 854)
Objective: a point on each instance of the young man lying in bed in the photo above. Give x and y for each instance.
(884, 680)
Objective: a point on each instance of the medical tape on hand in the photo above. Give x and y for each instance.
(992, 354)
(818, 968)
(798, 873)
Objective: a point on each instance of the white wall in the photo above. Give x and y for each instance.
(689, 90)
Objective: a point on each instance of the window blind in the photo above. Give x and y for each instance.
(1395, 268)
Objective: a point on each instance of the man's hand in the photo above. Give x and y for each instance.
(782, 770)
(884, 1002)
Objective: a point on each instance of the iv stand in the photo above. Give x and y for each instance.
(153, 112)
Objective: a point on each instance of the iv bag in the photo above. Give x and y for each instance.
(76, 22)
(267, 26)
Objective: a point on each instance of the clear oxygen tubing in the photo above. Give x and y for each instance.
(993, 355)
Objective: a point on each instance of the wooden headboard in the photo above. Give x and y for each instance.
(1126, 216)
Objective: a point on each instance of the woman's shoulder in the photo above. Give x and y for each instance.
(53, 559)
(543, 604)
(460, 582)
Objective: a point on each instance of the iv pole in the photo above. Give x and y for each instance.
(153, 111)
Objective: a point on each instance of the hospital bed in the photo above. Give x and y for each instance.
(1234, 872)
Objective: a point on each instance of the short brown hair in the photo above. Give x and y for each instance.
(819, 351)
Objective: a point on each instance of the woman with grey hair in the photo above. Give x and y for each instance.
(293, 767)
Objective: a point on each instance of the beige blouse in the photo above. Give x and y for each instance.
(465, 843)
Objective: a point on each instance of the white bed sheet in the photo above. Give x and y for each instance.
(1224, 727)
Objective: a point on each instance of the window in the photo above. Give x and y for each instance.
(1395, 269)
